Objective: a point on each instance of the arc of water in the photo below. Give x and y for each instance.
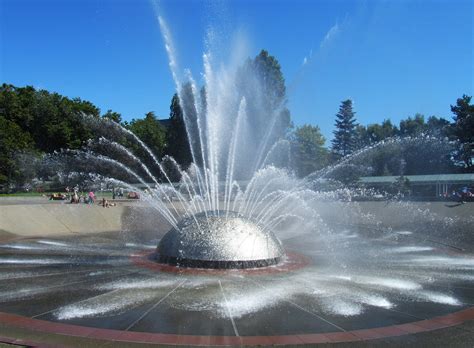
(235, 185)
(359, 153)
(232, 153)
(247, 191)
(147, 149)
(185, 176)
(255, 202)
(204, 200)
(131, 172)
(280, 218)
(190, 187)
(266, 138)
(184, 180)
(237, 200)
(159, 165)
(272, 149)
(251, 188)
(145, 168)
(275, 204)
(270, 211)
(267, 200)
(162, 209)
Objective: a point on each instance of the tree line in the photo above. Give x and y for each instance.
(419, 145)
(37, 122)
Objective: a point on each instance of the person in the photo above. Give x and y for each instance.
(91, 197)
(133, 195)
(105, 203)
(120, 192)
(113, 192)
(57, 196)
(462, 195)
(75, 198)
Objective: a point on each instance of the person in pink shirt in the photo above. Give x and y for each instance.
(91, 197)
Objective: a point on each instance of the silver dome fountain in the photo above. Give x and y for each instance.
(219, 239)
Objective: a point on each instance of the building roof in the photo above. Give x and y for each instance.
(422, 179)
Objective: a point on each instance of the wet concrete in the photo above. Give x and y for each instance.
(45, 278)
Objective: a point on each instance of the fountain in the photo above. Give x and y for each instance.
(219, 240)
(242, 251)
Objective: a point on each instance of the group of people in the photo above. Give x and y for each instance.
(117, 193)
(105, 203)
(90, 198)
(57, 197)
(464, 194)
(78, 198)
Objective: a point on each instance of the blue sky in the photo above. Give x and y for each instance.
(393, 58)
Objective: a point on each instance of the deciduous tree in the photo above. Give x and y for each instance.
(308, 151)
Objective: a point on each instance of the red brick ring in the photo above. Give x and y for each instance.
(171, 339)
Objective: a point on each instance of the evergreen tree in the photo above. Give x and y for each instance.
(463, 131)
(261, 82)
(344, 142)
(176, 137)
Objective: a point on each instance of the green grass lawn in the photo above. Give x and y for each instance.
(23, 194)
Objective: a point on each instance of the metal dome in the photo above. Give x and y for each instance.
(219, 240)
